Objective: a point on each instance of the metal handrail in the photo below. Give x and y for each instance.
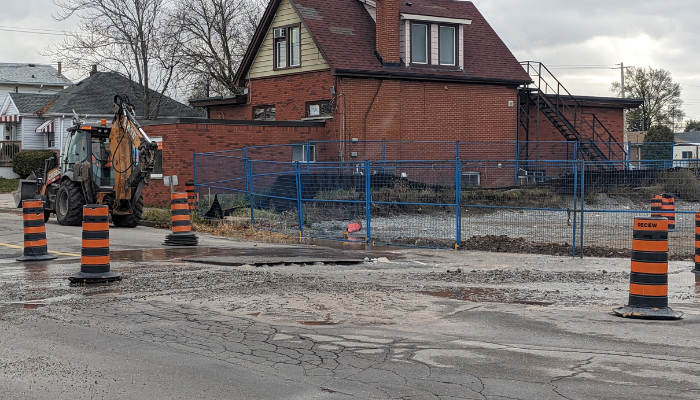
(560, 104)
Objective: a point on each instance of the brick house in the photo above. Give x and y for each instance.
(339, 70)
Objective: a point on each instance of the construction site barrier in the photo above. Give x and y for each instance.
(189, 188)
(182, 229)
(668, 210)
(656, 205)
(94, 256)
(648, 295)
(35, 245)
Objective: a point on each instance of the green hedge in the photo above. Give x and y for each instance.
(26, 162)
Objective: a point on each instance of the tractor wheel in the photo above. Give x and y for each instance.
(132, 220)
(69, 204)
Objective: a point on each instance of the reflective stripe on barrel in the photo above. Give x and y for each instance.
(180, 212)
(189, 188)
(668, 210)
(656, 205)
(34, 228)
(94, 256)
(649, 263)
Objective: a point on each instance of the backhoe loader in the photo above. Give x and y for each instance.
(98, 165)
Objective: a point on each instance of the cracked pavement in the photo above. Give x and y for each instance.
(403, 328)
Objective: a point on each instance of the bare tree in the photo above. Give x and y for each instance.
(214, 36)
(661, 97)
(131, 37)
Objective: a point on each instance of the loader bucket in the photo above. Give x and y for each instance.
(25, 191)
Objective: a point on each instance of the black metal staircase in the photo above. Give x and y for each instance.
(548, 96)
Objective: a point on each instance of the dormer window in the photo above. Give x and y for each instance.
(448, 44)
(287, 46)
(419, 43)
(433, 44)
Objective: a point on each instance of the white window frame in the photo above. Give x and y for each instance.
(304, 152)
(427, 42)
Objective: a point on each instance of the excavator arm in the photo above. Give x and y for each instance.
(133, 156)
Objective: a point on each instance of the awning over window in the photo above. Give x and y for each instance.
(46, 127)
(10, 118)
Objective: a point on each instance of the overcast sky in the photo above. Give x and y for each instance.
(580, 40)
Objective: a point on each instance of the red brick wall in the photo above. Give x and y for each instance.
(181, 140)
(420, 111)
(288, 94)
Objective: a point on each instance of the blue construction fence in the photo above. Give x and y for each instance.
(558, 203)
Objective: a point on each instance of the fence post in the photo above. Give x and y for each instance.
(575, 151)
(308, 156)
(458, 202)
(245, 172)
(249, 179)
(194, 172)
(573, 249)
(383, 154)
(368, 202)
(583, 199)
(299, 207)
(517, 163)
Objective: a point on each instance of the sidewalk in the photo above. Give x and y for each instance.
(6, 201)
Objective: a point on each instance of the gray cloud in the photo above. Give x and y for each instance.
(662, 34)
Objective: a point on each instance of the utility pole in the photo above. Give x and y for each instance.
(624, 111)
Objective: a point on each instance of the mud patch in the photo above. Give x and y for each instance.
(486, 295)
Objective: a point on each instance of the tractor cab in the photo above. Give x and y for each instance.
(89, 143)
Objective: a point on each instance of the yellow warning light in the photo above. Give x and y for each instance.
(103, 122)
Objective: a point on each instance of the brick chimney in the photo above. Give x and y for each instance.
(94, 70)
(59, 69)
(387, 33)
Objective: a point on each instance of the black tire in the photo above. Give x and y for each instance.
(131, 220)
(69, 204)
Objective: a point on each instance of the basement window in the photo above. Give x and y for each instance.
(264, 113)
(287, 46)
(471, 179)
(319, 109)
(304, 153)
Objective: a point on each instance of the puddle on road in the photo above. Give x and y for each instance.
(483, 295)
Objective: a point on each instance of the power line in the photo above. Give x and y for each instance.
(37, 31)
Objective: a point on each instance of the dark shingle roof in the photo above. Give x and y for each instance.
(689, 137)
(345, 34)
(95, 96)
(436, 8)
(29, 103)
(31, 74)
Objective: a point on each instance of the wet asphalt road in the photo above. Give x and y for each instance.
(172, 328)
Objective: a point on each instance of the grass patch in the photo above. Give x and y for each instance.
(8, 185)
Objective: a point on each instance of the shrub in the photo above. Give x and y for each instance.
(26, 162)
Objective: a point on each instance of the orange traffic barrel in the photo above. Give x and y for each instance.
(697, 244)
(656, 205)
(668, 210)
(648, 296)
(94, 256)
(182, 229)
(189, 188)
(35, 246)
